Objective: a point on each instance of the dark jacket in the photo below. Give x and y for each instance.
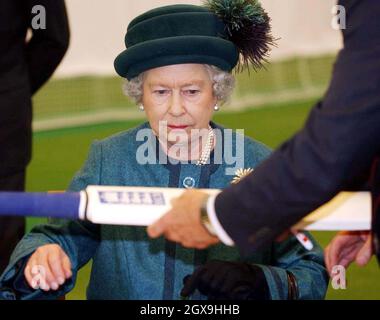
(334, 151)
(24, 67)
(375, 181)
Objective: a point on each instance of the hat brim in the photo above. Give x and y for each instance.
(176, 50)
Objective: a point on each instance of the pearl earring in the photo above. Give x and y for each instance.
(216, 107)
(141, 107)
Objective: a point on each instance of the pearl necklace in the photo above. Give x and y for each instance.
(207, 150)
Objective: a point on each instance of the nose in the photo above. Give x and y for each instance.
(176, 107)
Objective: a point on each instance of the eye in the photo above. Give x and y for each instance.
(161, 92)
(191, 92)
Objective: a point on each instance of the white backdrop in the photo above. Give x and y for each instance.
(98, 28)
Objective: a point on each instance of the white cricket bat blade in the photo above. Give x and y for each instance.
(141, 206)
(349, 211)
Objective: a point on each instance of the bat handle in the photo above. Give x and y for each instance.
(66, 205)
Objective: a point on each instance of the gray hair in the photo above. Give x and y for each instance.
(223, 85)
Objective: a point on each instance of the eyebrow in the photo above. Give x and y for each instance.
(196, 82)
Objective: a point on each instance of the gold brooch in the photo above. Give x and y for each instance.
(240, 174)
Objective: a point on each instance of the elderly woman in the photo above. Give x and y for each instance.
(178, 64)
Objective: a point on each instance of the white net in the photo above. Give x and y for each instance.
(85, 88)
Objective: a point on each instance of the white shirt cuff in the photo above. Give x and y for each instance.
(220, 232)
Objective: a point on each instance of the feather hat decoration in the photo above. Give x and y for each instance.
(248, 27)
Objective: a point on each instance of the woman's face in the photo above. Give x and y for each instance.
(180, 96)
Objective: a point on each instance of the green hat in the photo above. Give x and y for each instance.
(179, 34)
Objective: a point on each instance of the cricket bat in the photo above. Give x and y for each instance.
(141, 206)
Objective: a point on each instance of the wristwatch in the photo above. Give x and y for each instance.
(205, 220)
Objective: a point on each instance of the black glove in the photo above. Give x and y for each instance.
(224, 280)
(7, 294)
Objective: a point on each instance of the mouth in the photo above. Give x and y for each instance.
(171, 126)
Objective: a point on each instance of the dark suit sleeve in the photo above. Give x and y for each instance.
(337, 144)
(47, 47)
